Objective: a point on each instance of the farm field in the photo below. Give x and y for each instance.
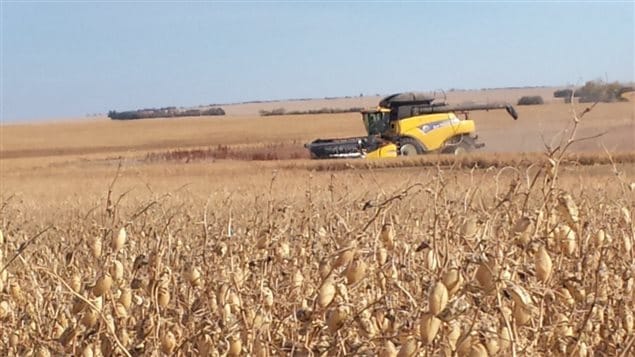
(217, 236)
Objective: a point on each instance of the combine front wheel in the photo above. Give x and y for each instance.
(461, 145)
(409, 147)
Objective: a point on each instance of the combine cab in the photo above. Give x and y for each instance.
(409, 124)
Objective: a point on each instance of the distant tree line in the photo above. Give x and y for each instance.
(531, 100)
(167, 112)
(282, 111)
(595, 91)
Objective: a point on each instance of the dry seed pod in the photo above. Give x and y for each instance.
(628, 245)
(453, 335)
(223, 292)
(283, 251)
(110, 323)
(543, 264)
(88, 351)
(116, 270)
(478, 350)
(408, 348)
(576, 290)
(90, 318)
(367, 327)
(78, 306)
(226, 313)
(521, 313)
(438, 298)
(431, 260)
(342, 291)
(504, 338)
(355, 271)
(298, 279)
(387, 236)
(263, 242)
(16, 291)
(463, 349)
(553, 168)
(326, 294)
(98, 302)
(205, 345)
(562, 327)
(485, 275)
(57, 330)
(106, 347)
(221, 249)
(393, 273)
(568, 240)
(381, 321)
(453, 280)
(389, 350)
(168, 342)
(260, 349)
(103, 284)
(382, 256)
(119, 240)
(564, 296)
(163, 296)
(120, 311)
(193, 276)
(627, 321)
(125, 298)
(14, 340)
(324, 269)
(5, 310)
(599, 237)
(581, 350)
(267, 297)
(42, 352)
(234, 300)
(259, 321)
(124, 337)
(429, 327)
(76, 283)
(95, 247)
(626, 215)
(520, 295)
(521, 225)
(568, 209)
(235, 346)
(492, 345)
(525, 238)
(469, 227)
(335, 318)
(344, 258)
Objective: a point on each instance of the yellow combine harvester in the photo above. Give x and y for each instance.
(409, 124)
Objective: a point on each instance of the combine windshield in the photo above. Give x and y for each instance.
(376, 122)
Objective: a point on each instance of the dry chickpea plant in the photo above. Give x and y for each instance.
(438, 267)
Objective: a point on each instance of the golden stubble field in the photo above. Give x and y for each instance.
(111, 247)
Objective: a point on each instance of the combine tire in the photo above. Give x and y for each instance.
(463, 145)
(409, 147)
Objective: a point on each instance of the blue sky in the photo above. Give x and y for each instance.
(69, 59)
